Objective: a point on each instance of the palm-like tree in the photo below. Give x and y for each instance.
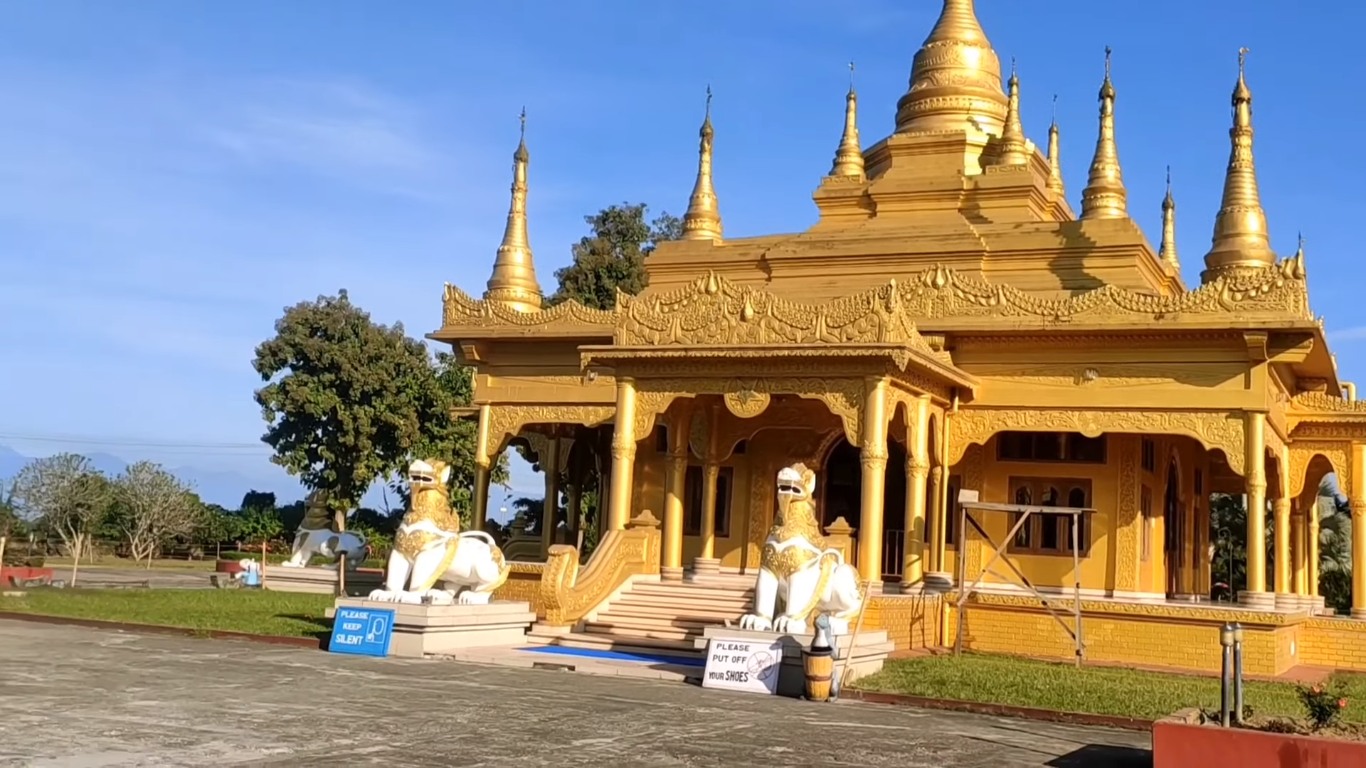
(1335, 546)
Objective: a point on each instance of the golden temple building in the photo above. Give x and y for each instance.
(951, 323)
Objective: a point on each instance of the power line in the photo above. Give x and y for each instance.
(224, 448)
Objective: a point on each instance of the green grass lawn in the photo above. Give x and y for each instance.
(1091, 690)
(259, 612)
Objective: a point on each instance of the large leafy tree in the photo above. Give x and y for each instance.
(65, 494)
(612, 256)
(347, 400)
(152, 507)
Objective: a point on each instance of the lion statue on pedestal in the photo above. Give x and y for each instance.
(318, 535)
(798, 568)
(433, 561)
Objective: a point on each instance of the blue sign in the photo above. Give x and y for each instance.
(362, 631)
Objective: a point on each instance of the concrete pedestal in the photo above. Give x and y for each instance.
(1257, 601)
(318, 580)
(938, 581)
(869, 653)
(670, 574)
(425, 630)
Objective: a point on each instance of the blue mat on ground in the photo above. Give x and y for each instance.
(588, 653)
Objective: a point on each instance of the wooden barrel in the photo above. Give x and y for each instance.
(819, 665)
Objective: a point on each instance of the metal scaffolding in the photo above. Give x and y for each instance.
(968, 501)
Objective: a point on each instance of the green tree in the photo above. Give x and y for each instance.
(612, 256)
(255, 499)
(347, 399)
(65, 494)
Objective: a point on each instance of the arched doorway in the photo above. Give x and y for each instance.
(1173, 524)
(842, 496)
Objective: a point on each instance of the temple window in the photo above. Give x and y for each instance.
(1068, 447)
(692, 502)
(1044, 533)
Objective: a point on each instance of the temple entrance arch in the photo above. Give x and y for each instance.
(840, 481)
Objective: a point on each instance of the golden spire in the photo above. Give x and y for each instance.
(514, 273)
(1054, 163)
(849, 156)
(703, 218)
(1105, 196)
(955, 79)
(1168, 249)
(1014, 151)
(1240, 233)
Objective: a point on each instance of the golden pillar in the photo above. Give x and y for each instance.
(917, 470)
(706, 561)
(1299, 556)
(483, 470)
(623, 457)
(550, 464)
(941, 504)
(675, 475)
(1311, 534)
(1357, 503)
(873, 460)
(1280, 509)
(1255, 477)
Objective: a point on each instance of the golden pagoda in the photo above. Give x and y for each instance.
(956, 351)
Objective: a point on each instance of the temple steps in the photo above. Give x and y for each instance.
(658, 617)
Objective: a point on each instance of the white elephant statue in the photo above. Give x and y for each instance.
(433, 561)
(798, 568)
(317, 535)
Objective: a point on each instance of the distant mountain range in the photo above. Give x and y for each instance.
(224, 488)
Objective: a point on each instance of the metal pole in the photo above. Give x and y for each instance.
(1238, 673)
(1225, 673)
(1076, 585)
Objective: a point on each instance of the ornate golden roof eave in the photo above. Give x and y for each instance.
(902, 356)
(1323, 405)
(956, 78)
(937, 295)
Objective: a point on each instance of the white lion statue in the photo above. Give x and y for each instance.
(317, 535)
(430, 550)
(798, 568)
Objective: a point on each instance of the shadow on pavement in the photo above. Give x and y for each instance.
(1103, 756)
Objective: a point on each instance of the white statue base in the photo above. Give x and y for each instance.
(320, 579)
(869, 653)
(435, 630)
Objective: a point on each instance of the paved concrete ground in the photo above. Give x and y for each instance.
(160, 578)
(71, 696)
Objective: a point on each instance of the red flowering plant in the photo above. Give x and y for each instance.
(1323, 706)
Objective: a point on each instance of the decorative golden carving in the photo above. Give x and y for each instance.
(747, 403)
(1213, 429)
(569, 595)
(1128, 523)
(650, 405)
(1302, 453)
(1321, 402)
(713, 310)
(761, 507)
(842, 396)
(1102, 376)
(507, 421)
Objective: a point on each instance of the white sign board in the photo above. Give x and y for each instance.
(743, 665)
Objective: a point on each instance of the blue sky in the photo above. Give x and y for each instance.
(173, 174)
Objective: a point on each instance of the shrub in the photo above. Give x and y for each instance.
(1324, 707)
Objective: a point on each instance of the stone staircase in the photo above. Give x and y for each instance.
(658, 618)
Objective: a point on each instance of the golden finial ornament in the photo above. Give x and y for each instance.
(514, 272)
(1054, 162)
(1167, 251)
(703, 218)
(849, 156)
(1105, 196)
(1014, 150)
(1241, 241)
(955, 79)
